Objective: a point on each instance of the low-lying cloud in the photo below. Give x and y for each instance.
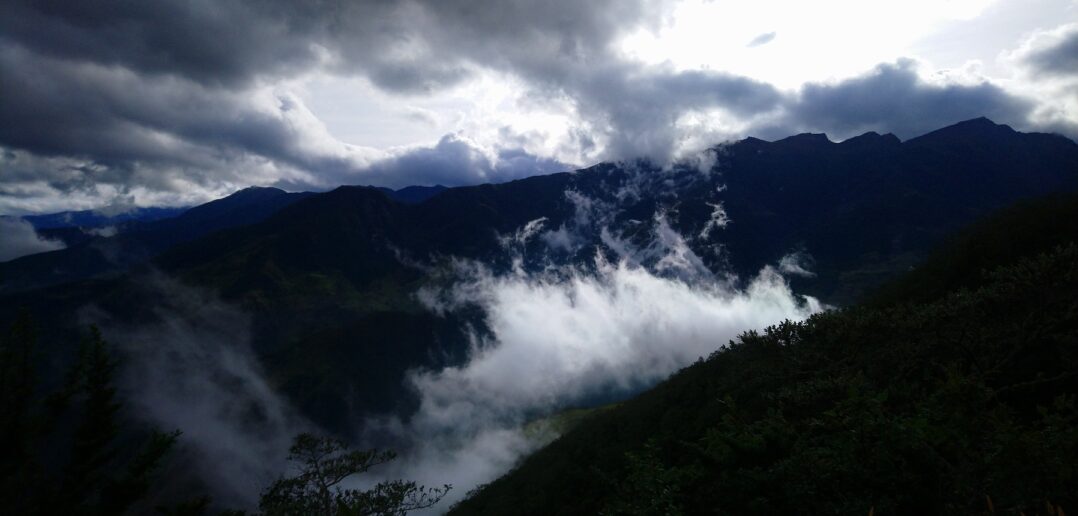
(555, 342)
(192, 369)
(18, 238)
(552, 337)
(562, 339)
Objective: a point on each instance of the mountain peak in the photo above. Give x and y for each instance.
(806, 138)
(980, 128)
(979, 124)
(871, 138)
(979, 121)
(252, 192)
(413, 194)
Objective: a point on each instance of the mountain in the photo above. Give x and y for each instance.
(871, 206)
(97, 219)
(953, 391)
(321, 299)
(862, 209)
(329, 280)
(413, 194)
(75, 227)
(104, 254)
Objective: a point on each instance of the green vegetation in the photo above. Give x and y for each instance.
(1027, 228)
(954, 391)
(550, 427)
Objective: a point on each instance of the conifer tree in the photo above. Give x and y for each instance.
(49, 469)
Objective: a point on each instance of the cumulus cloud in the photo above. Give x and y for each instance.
(638, 112)
(1051, 53)
(894, 98)
(18, 238)
(456, 160)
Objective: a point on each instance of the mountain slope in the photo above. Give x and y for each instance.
(336, 262)
(95, 219)
(869, 207)
(864, 209)
(413, 194)
(928, 403)
(335, 274)
(139, 243)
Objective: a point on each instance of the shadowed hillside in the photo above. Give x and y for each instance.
(952, 392)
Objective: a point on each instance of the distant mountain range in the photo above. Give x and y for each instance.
(136, 235)
(329, 279)
(98, 219)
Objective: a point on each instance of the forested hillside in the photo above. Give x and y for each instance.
(953, 392)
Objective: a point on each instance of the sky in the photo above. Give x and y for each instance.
(176, 102)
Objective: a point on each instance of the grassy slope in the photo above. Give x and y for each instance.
(928, 400)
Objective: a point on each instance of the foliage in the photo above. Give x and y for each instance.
(63, 453)
(648, 485)
(324, 463)
(1025, 229)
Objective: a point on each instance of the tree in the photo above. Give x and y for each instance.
(17, 471)
(323, 464)
(47, 469)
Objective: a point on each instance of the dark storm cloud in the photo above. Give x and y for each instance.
(566, 52)
(892, 98)
(453, 161)
(128, 129)
(213, 42)
(179, 95)
(1058, 56)
(54, 107)
(641, 108)
(170, 94)
(408, 46)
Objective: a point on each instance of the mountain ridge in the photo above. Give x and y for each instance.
(341, 261)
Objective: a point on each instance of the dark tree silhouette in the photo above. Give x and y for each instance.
(323, 464)
(87, 470)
